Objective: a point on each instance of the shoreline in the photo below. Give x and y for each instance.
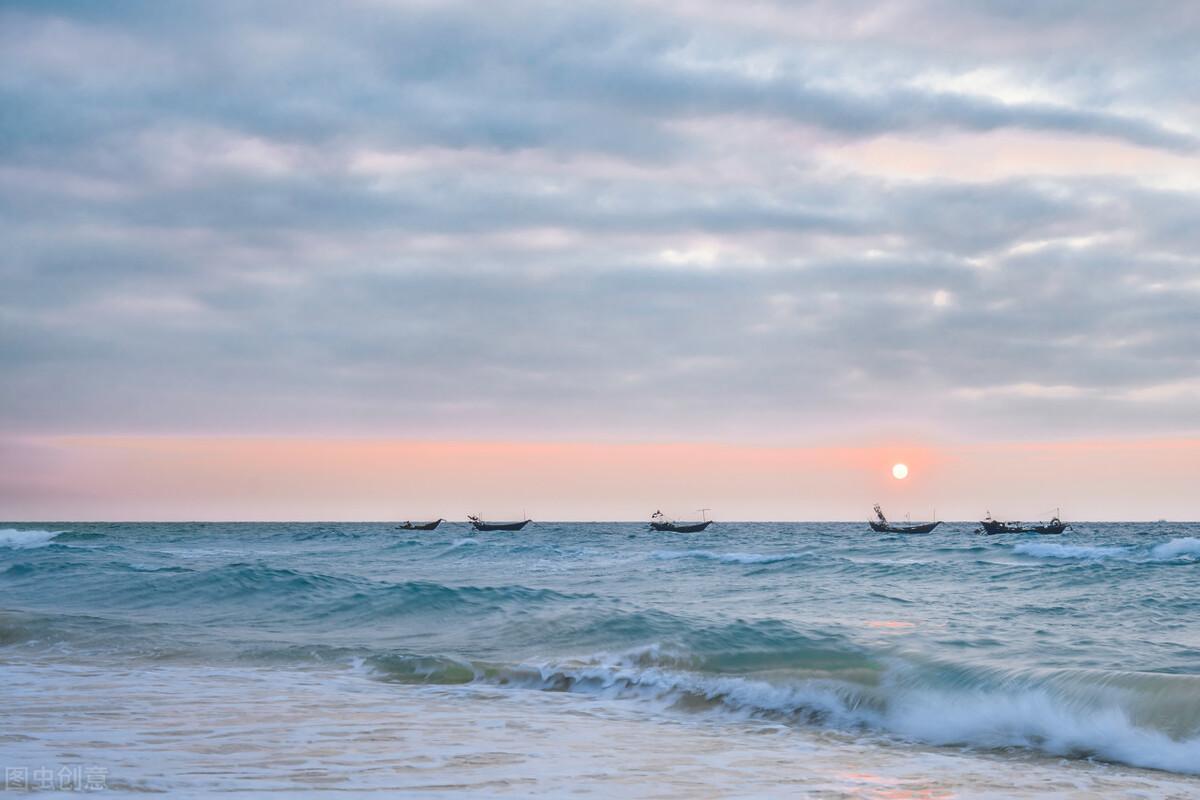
(334, 731)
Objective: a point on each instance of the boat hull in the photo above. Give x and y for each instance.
(673, 528)
(499, 526)
(425, 526)
(926, 528)
(992, 528)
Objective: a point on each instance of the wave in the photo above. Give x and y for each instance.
(412, 597)
(28, 538)
(1054, 550)
(310, 533)
(1037, 718)
(728, 558)
(1183, 548)
(459, 545)
(405, 668)
(1177, 548)
(79, 536)
(401, 544)
(57, 633)
(1141, 719)
(26, 569)
(258, 590)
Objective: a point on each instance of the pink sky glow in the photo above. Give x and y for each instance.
(212, 478)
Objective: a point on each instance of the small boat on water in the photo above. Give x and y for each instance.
(993, 527)
(420, 526)
(480, 525)
(883, 526)
(659, 522)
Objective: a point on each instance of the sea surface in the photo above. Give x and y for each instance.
(601, 659)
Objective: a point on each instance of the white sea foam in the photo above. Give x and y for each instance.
(1176, 548)
(1187, 547)
(1054, 550)
(481, 741)
(1039, 720)
(1077, 720)
(728, 558)
(665, 687)
(26, 539)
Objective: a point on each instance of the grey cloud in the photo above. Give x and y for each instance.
(585, 80)
(691, 285)
(541, 350)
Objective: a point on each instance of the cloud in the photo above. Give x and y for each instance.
(624, 221)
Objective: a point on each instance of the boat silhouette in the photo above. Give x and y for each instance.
(883, 526)
(420, 526)
(993, 527)
(659, 522)
(480, 525)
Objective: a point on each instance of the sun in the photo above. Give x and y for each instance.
(899, 471)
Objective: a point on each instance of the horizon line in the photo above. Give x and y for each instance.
(533, 521)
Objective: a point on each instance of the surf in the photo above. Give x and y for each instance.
(1076, 648)
(21, 539)
(1138, 719)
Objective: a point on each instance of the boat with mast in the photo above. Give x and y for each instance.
(883, 526)
(659, 522)
(479, 525)
(420, 526)
(993, 527)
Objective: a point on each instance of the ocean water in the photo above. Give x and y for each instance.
(573, 659)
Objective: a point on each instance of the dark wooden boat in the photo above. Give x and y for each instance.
(659, 522)
(883, 526)
(993, 527)
(480, 525)
(421, 526)
(889, 528)
(675, 528)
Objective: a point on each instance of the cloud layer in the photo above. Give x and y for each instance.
(600, 221)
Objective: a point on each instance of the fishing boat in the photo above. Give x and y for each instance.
(659, 522)
(480, 525)
(420, 526)
(992, 527)
(883, 526)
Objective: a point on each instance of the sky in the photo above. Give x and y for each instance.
(374, 260)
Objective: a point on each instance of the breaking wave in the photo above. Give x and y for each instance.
(25, 539)
(1177, 548)
(1140, 719)
(1053, 550)
(1185, 548)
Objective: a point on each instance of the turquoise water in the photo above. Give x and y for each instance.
(1072, 652)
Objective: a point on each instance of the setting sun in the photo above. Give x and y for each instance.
(899, 471)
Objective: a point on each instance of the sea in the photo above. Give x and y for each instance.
(600, 659)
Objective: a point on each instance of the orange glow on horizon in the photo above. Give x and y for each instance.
(168, 477)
